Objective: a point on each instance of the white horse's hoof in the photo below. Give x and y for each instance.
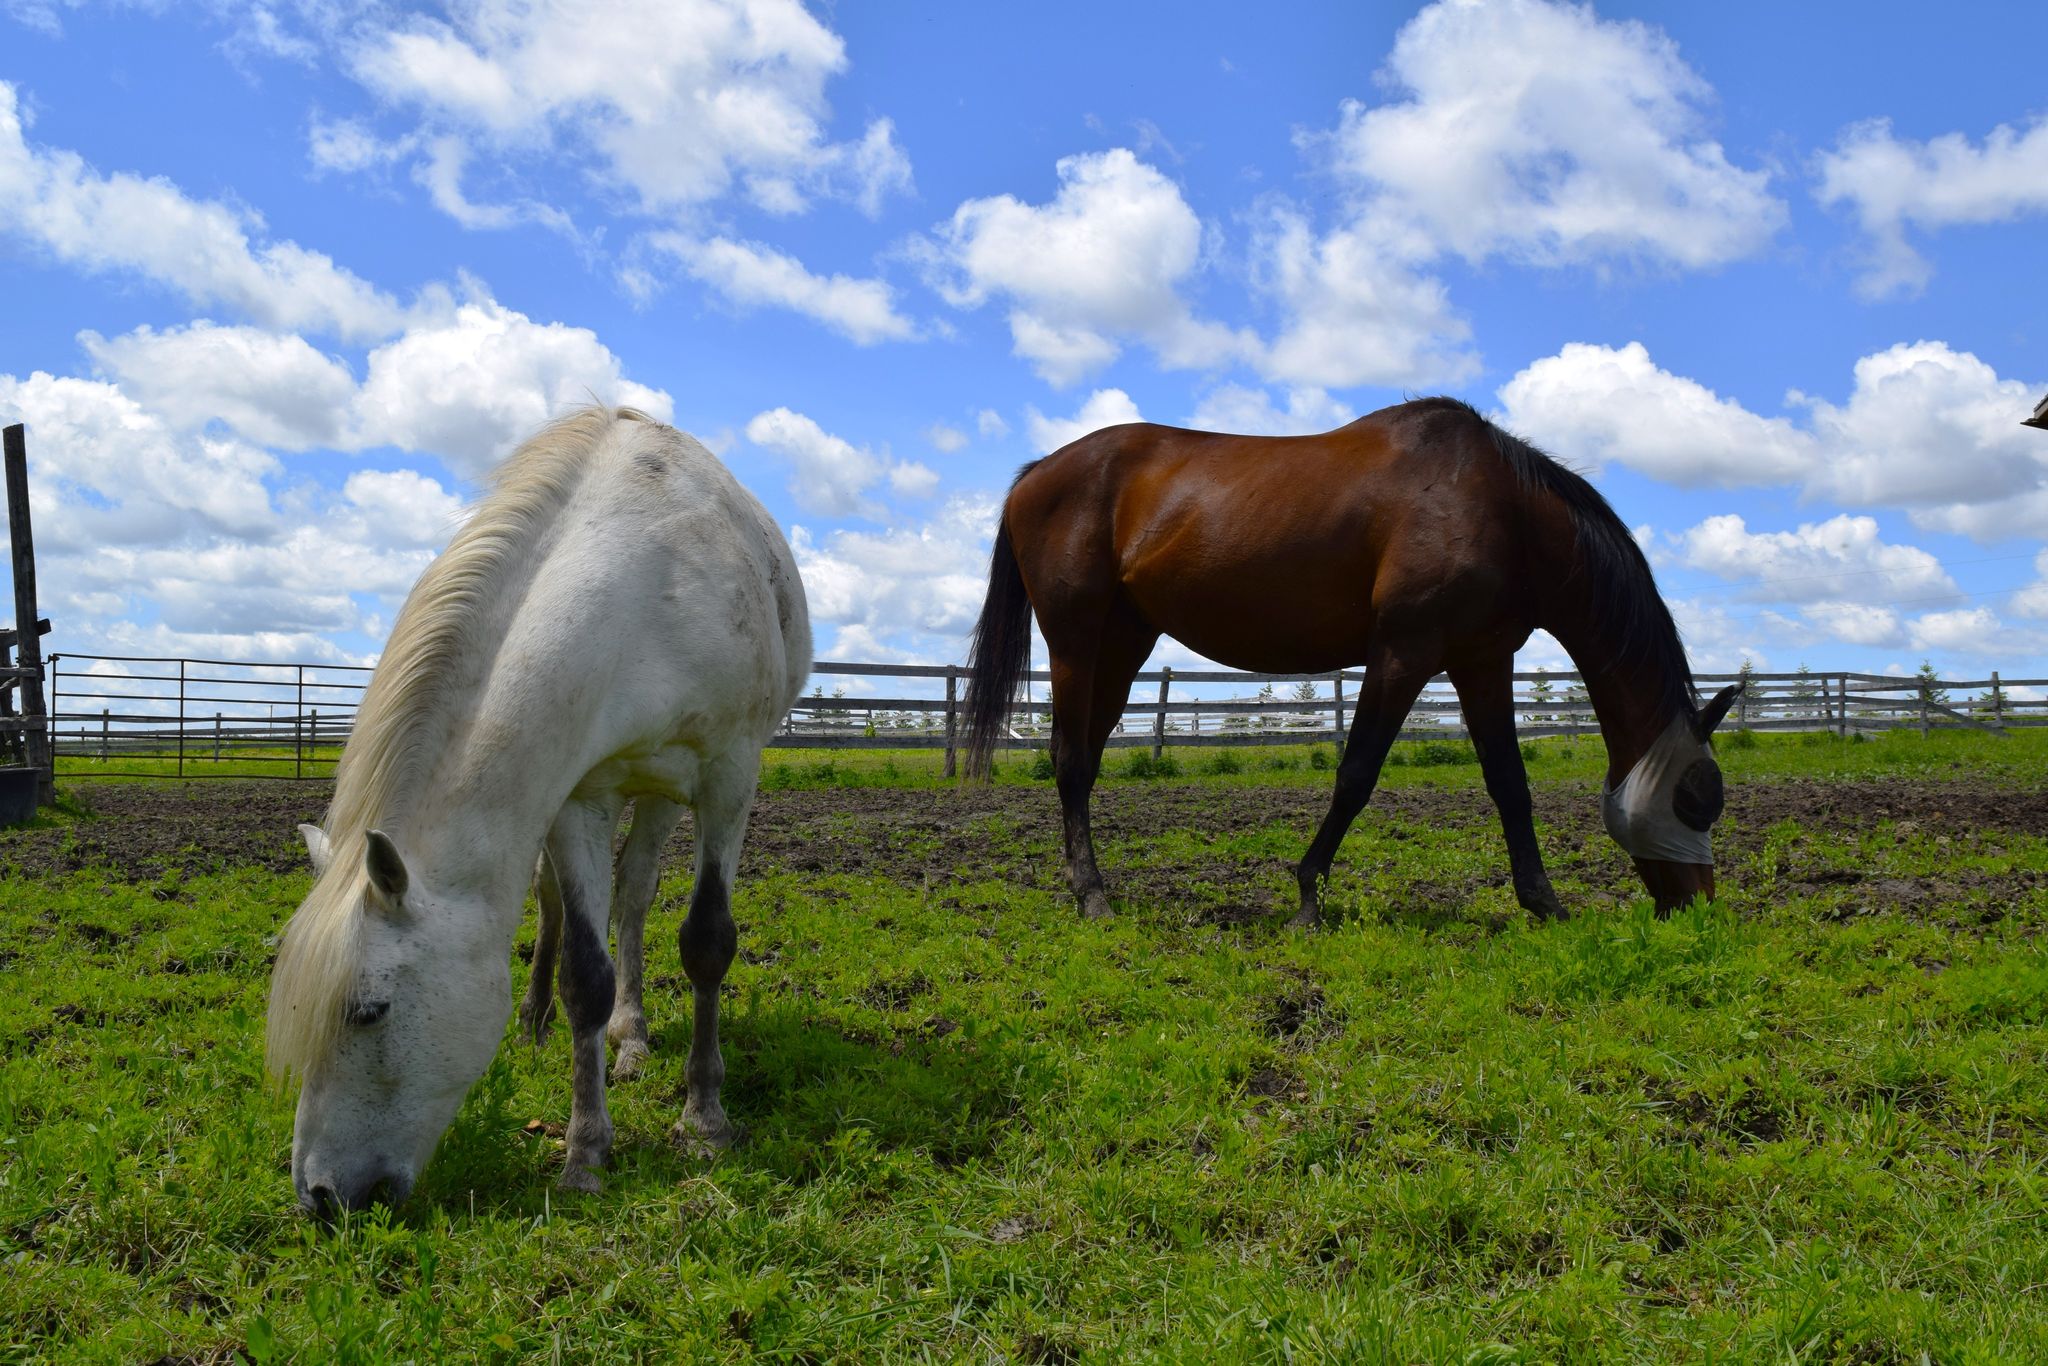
(694, 1138)
(580, 1179)
(626, 1065)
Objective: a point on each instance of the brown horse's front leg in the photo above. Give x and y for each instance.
(1487, 697)
(1388, 692)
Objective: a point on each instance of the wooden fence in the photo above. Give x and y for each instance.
(200, 718)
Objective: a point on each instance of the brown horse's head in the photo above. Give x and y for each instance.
(1664, 810)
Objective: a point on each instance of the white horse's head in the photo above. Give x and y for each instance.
(388, 1002)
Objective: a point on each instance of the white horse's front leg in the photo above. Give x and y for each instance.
(709, 939)
(634, 881)
(578, 848)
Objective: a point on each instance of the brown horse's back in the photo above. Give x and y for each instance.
(1284, 554)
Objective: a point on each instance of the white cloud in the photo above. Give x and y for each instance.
(914, 591)
(945, 438)
(273, 388)
(833, 477)
(348, 146)
(1841, 560)
(2032, 601)
(1925, 427)
(1104, 408)
(1524, 130)
(1931, 427)
(1893, 183)
(122, 223)
(1856, 623)
(472, 381)
(751, 275)
(989, 422)
(1544, 133)
(1100, 264)
(406, 507)
(1601, 404)
(679, 102)
(1236, 408)
(1359, 310)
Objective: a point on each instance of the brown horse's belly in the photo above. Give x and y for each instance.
(1264, 618)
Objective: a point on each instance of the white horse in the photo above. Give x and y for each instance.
(619, 620)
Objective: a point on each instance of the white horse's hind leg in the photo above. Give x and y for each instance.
(578, 847)
(537, 1011)
(633, 884)
(709, 940)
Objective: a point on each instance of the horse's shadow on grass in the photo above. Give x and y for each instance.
(810, 1092)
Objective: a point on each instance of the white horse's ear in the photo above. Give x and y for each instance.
(386, 869)
(316, 846)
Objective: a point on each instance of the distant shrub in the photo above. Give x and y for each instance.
(1222, 761)
(1435, 752)
(1741, 739)
(1041, 765)
(1530, 751)
(1279, 763)
(1321, 760)
(1140, 764)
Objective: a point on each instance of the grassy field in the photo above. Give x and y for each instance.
(1807, 1123)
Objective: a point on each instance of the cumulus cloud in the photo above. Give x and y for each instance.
(1842, 558)
(125, 224)
(946, 438)
(677, 102)
(830, 475)
(1103, 408)
(910, 591)
(273, 387)
(2032, 601)
(1237, 408)
(1100, 264)
(751, 275)
(1523, 130)
(1544, 133)
(1893, 184)
(1925, 427)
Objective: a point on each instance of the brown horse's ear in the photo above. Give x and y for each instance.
(1711, 714)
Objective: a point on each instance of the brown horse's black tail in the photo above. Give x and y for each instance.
(999, 654)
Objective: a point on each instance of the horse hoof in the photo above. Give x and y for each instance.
(1307, 918)
(1095, 906)
(580, 1179)
(536, 1029)
(693, 1138)
(626, 1065)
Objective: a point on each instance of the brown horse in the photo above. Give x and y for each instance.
(1419, 539)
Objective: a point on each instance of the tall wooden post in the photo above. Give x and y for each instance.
(1997, 700)
(27, 643)
(952, 712)
(1159, 720)
(1842, 707)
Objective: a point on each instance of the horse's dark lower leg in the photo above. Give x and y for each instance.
(709, 939)
(1487, 697)
(578, 849)
(633, 886)
(1383, 703)
(1087, 704)
(537, 1010)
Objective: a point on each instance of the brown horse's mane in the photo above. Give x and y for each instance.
(1611, 563)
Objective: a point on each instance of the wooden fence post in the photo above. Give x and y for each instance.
(1842, 707)
(28, 643)
(1997, 700)
(1337, 690)
(216, 737)
(181, 718)
(1159, 720)
(103, 732)
(952, 682)
(299, 727)
(1923, 711)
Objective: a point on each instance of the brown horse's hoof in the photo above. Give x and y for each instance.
(1309, 917)
(1548, 911)
(1095, 905)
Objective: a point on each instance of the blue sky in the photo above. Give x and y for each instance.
(281, 280)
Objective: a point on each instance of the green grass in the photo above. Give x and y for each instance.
(978, 1128)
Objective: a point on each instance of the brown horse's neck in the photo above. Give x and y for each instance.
(1630, 699)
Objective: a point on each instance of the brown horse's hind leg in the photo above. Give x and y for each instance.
(1390, 689)
(1087, 701)
(1487, 696)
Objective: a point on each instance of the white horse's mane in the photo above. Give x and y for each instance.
(399, 718)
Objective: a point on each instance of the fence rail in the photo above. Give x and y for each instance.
(213, 717)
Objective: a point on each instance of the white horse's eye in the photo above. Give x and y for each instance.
(362, 1014)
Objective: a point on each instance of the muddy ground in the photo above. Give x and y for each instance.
(937, 838)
